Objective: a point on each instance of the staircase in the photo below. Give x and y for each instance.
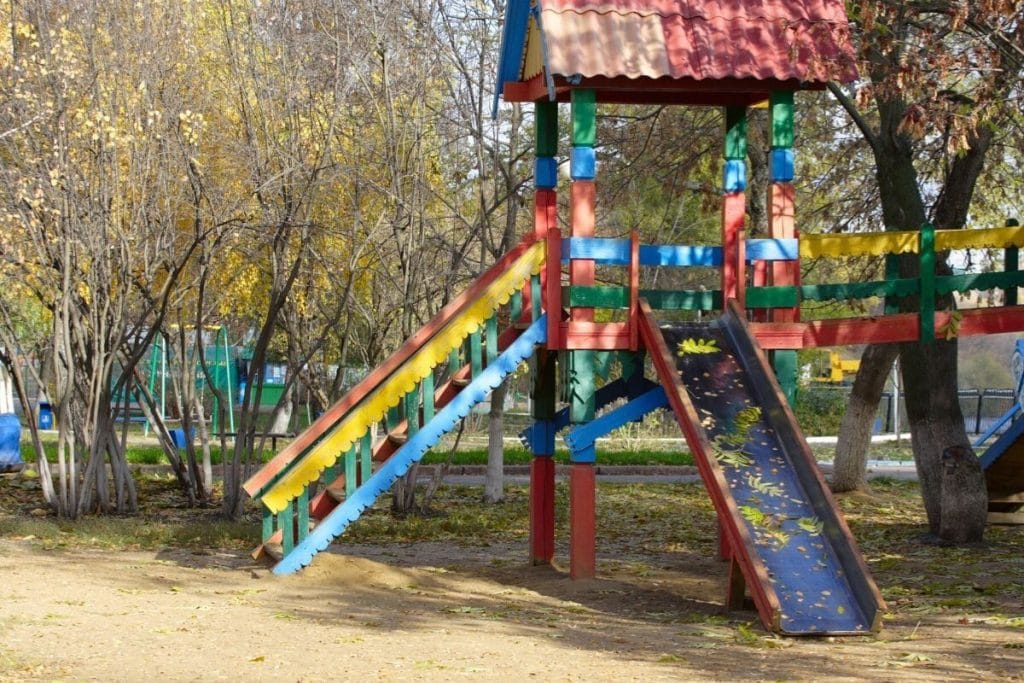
(323, 481)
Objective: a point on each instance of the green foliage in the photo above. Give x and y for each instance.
(819, 410)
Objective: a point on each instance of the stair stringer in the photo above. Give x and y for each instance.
(334, 524)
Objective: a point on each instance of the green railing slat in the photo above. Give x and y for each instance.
(927, 304)
(1011, 262)
(350, 471)
(517, 305)
(366, 453)
(492, 338)
(772, 297)
(412, 411)
(859, 290)
(475, 354)
(302, 503)
(597, 297)
(285, 522)
(268, 522)
(683, 300)
(428, 398)
(980, 281)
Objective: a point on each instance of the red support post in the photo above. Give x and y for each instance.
(741, 268)
(760, 280)
(781, 225)
(552, 288)
(583, 198)
(542, 510)
(734, 209)
(582, 521)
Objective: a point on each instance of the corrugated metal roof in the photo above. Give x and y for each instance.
(803, 40)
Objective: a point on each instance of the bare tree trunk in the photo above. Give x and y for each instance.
(494, 483)
(851, 456)
(954, 493)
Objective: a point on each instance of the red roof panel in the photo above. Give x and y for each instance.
(806, 41)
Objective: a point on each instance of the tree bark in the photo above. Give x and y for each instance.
(494, 482)
(850, 472)
(954, 504)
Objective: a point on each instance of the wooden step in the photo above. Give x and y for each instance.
(461, 381)
(336, 490)
(274, 551)
(398, 439)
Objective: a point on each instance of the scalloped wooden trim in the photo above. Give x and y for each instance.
(846, 246)
(988, 238)
(390, 393)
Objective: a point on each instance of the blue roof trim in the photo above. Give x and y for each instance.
(513, 39)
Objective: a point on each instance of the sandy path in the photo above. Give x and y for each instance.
(427, 612)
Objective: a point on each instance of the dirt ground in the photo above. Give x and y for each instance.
(434, 611)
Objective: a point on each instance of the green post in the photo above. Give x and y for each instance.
(927, 305)
(1011, 264)
(268, 522)
(285, 522)
(784, 362)
(736, 133)
(781, 104)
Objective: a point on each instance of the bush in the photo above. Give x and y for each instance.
(819, 409)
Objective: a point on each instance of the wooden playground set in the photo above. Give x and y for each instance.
(727, 375)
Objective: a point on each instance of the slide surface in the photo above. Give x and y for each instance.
(780, 522)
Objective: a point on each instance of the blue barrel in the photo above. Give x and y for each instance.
(10, 443)
(45, 415)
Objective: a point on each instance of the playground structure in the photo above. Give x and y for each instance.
(1003, 459)
(728, 382)
(219, 358)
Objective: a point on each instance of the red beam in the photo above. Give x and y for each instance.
(525, 91)
(583, 335)
(976, 321)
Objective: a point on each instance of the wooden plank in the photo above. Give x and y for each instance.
(584, 117)
(736, 133)
(583, 335)
(734, 208)
(597, 296)
(582, 521)
(772, 297)
(1009, 280)
(682, 300)
(781, 112)
(860, 290)
(350, 471)
(553, 288)
(926, 305)
(901, 327)
(332, 415)
(985, 320)
(583, 197)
